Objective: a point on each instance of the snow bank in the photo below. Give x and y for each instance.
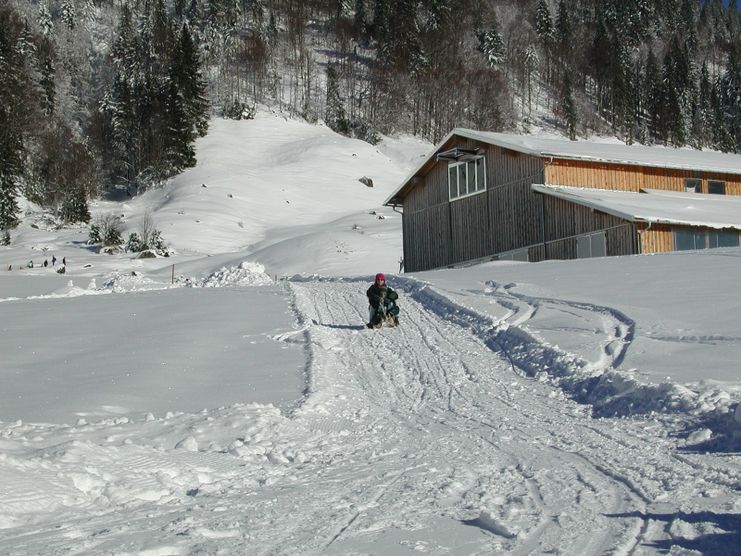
(246, 273)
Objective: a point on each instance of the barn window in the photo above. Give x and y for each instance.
(466, 177)
(685, 240)
(591, 245)
(693, 185)
(717, 187)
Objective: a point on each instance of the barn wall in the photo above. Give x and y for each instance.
(510, 216)
(564, 221)
(656, 239)
(506, 216)
(628, 177)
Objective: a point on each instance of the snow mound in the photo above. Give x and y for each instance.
(246, 274)
(133, 282)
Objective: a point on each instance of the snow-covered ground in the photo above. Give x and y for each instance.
(573, 407)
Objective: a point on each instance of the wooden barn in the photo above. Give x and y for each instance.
(489, 196)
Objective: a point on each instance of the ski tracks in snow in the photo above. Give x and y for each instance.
(500, 455)
(431, 437)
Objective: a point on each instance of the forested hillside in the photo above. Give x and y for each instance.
(106, 96)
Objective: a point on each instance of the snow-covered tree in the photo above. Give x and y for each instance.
(544, 21)
(68, 14)
(492, 45)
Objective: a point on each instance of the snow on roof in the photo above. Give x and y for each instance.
(614, 152)
(658, 207)
(606, 152)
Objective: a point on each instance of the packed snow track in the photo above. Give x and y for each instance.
(416, 439)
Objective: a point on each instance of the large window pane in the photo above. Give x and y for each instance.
(716, 187)
(693, 185)
(462, 180)
(598, 245)
(583, 247)
(480, 175)
(684, 240)
(471, 169)
(453, 181)
(727, 239)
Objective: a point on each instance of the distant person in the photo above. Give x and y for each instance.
(10, 267)
(46, 263)
(30, 264)
(64, 261)
(53, 260)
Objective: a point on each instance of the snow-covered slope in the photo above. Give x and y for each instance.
(579, 407)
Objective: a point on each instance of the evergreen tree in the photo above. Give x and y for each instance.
(68, 14)
(652, 93)
(544, 22)
(360, 22)
(492, 44)
(44, 18)
(47, 81)
(564, 31)
(74, 206)
(335, 111)
(122, 105)
(187, 75)
(730, 100)
(13, 110)
(567, 106)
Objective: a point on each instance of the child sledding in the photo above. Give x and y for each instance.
(382, 300)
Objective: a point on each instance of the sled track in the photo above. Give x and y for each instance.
(436, 376)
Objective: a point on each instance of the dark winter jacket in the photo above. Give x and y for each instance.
(375, 293)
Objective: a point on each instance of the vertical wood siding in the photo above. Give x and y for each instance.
(439, 232)
(628, 177)
(509, 215)
(565, 221)
(656, 239)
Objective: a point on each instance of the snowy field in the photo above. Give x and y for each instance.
(571, 407)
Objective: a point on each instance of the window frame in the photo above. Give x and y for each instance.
(454, 168)
(696, 188)
(722, 187)
(704, 239)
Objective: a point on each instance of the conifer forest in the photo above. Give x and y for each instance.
(107, 97)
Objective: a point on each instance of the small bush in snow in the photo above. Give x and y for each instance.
(106, 230)
(134, 244)
(149, 238)
(235, 109)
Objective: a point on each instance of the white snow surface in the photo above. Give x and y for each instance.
(229, 400)
(657, 206)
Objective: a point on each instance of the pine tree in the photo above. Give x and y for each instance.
(335, 111)
(47, 81)
(44, 18)
(544, 22)
(652, 93)
(74, 206)
(68, 14)
(567, 106)
(492, 45)
(730, 100)
(187, 74)
(14, 89)
(360, 23)
(122, 105)
(564, 30)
